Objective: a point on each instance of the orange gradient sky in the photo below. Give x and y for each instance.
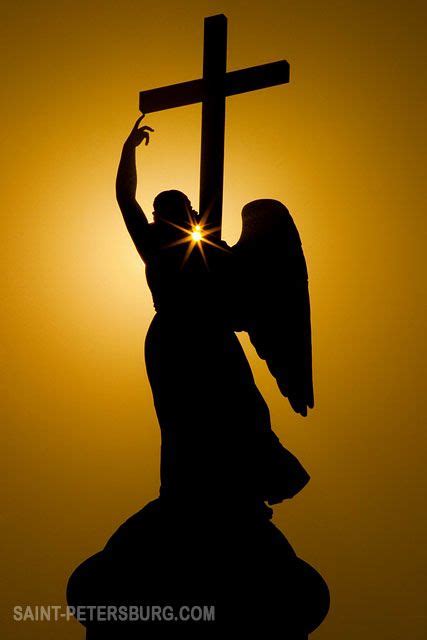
(343, 146)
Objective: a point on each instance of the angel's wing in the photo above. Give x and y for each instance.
(274, 298)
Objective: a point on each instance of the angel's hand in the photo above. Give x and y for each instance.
(137, 135)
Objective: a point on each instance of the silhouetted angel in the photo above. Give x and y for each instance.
(208, 538)
(217, 441)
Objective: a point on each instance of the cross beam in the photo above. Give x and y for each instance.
(211, 91)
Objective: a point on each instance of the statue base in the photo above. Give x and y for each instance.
(171, 569)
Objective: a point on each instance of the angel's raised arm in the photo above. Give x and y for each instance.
(126, 181)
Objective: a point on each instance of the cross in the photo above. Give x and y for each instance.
(211, 91)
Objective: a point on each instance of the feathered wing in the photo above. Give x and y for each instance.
(274, 303)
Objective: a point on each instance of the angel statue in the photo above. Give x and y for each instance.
(208, 538)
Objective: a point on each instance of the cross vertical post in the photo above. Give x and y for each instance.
(213, 120)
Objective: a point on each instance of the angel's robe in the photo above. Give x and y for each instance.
(217, 442)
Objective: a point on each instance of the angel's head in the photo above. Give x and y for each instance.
(174, 208)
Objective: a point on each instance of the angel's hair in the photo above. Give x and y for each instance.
(172, 206)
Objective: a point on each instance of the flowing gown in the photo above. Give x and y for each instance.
(217, 443)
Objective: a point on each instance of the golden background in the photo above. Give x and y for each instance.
(342, 145)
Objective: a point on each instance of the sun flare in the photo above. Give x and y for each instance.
(197, 234)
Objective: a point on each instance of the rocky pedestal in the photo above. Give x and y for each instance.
(170, 566)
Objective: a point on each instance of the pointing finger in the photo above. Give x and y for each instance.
(135, 126)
